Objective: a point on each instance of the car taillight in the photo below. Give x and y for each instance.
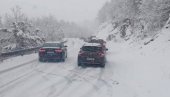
(41, 50)
(81, 53)
(58, 50)
(101, 54)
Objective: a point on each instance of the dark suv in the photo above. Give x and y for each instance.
(92, 54)
(55, 51)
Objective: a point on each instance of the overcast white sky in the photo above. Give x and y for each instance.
(70, 10)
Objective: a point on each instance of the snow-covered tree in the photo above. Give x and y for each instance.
(156, 13)
(49, 27)
(15, 16)
(146, 16)
(119, 10)
(21, 32)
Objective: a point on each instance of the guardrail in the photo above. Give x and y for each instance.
(21, 52)
(5, 55)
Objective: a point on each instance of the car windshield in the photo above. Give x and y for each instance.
(92, 48)
(52, 45)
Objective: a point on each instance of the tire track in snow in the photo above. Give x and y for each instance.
(100, 83)
(70, 78)
(96, 86)
(105, 82)
(14, 80)
(78, 74)
(18, 66)
(19, 77)
(48, 74)
(24, 79)
(74, 74)
(104, 79)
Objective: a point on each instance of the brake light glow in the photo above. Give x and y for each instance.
(41, 50)
(81, 53)
(58, 50)
(101, 54)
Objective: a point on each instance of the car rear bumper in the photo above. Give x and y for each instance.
(98, 61)
(49, 58)
(46, 58)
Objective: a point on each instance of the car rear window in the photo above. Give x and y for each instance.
(92, 48)
(96, 41)
(52, 45)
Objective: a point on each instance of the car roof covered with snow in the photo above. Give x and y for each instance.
(52, 44)
(97, 40)
(92, 44)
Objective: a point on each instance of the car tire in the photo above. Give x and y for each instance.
(63, 60)
(66, 55)
(102, 65)
(41, 60)
(79, 64)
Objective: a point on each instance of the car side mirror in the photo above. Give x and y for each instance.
(65, 46)
(106, 49)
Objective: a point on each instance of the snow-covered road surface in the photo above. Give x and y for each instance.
(127, 74)
(21, 78)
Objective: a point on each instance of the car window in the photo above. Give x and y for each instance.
(62, 45)
(96, 41)
(92, 48)
(52, 45)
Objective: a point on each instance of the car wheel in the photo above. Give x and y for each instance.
(66, 55)
(83, 65)
(79, 64)
(63, 59)
(41, 60)
(102, 65)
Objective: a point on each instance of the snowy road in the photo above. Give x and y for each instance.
(35, 79)
(41, 80)
(122, 77)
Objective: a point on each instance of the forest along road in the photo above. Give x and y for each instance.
(63, 79)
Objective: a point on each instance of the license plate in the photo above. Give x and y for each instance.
(50, 52)
(90, 59)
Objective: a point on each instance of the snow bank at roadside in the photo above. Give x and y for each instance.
(16, 61)
(142, 67)
(141, 70)
(161, 44)
(139, 73)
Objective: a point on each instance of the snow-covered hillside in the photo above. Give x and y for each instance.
(142, 67)
(157, 43)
